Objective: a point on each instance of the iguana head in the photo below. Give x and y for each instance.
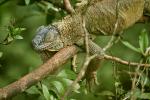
(47, 38)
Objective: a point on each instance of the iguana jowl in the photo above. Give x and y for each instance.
(100, 19)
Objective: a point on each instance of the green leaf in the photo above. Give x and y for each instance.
(68, 82)
(135, 93)
(144, 96)
(144, 79)
(27, 2)
(59, 86)
(50, 6)
(10, 39)
(52, 97)
(33, 90)
(63, 74)
(7, 40)
(143, 41)
(19, 37)
(22, 29)
(17, 31)
(67, 74)
(1, 54)
(127, 44)
(106, 93)
(45, 92)
(10, 29)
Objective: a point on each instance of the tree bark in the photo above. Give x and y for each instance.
(37, 75)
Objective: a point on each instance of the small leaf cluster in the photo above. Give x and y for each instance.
(53, 87)
(143, 44)
(13, 34)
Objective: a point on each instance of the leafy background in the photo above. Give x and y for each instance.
(18, 58)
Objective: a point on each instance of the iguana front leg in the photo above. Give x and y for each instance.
(91, 73)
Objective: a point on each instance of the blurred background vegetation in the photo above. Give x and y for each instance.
(18, 58)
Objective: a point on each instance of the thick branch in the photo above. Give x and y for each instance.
(37, 75)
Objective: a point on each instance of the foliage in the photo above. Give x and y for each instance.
(54, 87)
(13, 34)
(18, 58)
(143, 43)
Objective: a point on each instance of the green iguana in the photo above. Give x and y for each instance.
(100, 19)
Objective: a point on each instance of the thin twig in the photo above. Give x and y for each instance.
(79, 76)
(86, 37)
(68, 6)
(115, 74)
(111, 42)
(85, 64)
(73, 63)
(134, 80)
(124, 62)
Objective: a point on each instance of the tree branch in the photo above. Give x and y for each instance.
(49, 68)
(37, 75)
(107, 57)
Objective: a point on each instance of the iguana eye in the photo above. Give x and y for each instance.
(51, 35)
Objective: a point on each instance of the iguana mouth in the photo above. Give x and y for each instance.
(39, 45)
(45, 46)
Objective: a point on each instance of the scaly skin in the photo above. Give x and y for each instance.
(100, 19)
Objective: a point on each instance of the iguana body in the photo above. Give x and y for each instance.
(100, 19)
